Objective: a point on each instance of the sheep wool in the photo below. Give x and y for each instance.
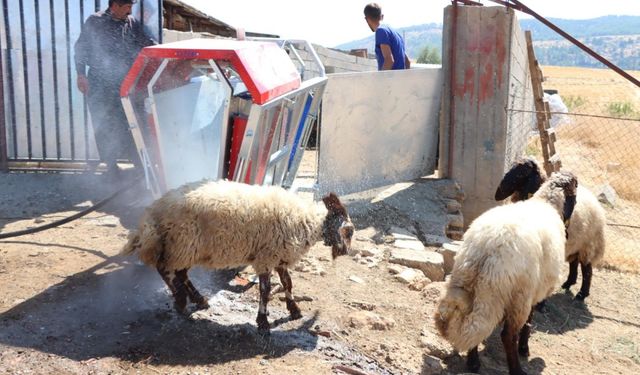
(226, 224)
(586, 233)
(510, 260)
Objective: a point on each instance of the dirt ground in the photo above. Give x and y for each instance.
(70, 305)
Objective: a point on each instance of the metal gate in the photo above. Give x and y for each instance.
(43, 116)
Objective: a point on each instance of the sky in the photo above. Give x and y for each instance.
(332, 22)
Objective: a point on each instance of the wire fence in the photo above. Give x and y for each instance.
(596, 118)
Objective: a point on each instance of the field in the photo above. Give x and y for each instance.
(70, 305)
(603, 149)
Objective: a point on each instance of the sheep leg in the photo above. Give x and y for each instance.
(473, 360)
(177, 288)
(265, 290)
(587, 272)
(192, 292)
(285, 278)
(573, 275)
(509, 337)
(525, 332)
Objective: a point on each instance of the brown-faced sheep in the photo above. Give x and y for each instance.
(510, 260)
(586, 240)
(227, 224)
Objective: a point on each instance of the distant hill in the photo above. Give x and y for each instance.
(615, 37)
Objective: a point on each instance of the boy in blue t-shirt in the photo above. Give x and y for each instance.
(389, 44)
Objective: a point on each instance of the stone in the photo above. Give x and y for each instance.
(449, 252)
(455, 233)
(435, 240)
(434, 291)
(606, 194)
(419, 284)
(409, 244)
(431, 365)
(435, 345)
(395, 269)
(365, 235)
(408, 275)
(372, 252)
(360, 305)
(402, 233)
(429, 262)
(452, 205)
(370, 320)
(451, 189)
(356, 279)
(455, 220)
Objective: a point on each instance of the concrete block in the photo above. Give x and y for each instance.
(449, 252)
(431, 263)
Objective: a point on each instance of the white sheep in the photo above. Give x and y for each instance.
(586, 241)
(510, 260)
(227, 224)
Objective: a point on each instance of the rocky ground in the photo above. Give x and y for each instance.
(70, 305)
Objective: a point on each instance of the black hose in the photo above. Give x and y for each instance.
(74, 216)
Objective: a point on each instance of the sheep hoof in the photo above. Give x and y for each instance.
(202, 305)
(295, 315)
(181, 309)
(581, 296)
(294, 310)
(263, 323)
(567, 284)
(524, 351)
(473, 367)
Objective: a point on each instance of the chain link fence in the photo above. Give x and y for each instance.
(596, 118)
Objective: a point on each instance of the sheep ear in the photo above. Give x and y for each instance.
(333, 204)
(570, 192)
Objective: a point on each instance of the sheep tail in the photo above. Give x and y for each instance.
(147, 242)
(466, 321)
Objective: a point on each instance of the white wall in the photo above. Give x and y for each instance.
(378, 128)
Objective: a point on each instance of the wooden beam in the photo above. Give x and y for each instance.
(542, 118)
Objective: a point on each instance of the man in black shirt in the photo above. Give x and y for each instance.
(108, 44)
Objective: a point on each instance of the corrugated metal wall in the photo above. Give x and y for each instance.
(45, 116)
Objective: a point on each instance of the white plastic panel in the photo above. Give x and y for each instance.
(191, 129)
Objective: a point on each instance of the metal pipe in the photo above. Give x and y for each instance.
(523, 8)
(25, 72)
(56, 95)
(14, 125)
(452, 83)
(67, 28)
(43, 134)
(160, 20)
(3, 131)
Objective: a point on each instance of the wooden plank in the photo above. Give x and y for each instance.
(541, 111)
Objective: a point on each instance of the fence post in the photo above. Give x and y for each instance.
(3, 129)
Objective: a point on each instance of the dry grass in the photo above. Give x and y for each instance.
(603, 151)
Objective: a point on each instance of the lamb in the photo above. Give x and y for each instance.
(223, 224)
(509, 260)
(586, 241)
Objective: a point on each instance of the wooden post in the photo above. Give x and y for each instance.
(547, 135)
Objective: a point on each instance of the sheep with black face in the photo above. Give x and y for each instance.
(225, 224)
(509, 261)
(586, 239)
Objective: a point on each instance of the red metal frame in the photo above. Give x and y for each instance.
(252, 60)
